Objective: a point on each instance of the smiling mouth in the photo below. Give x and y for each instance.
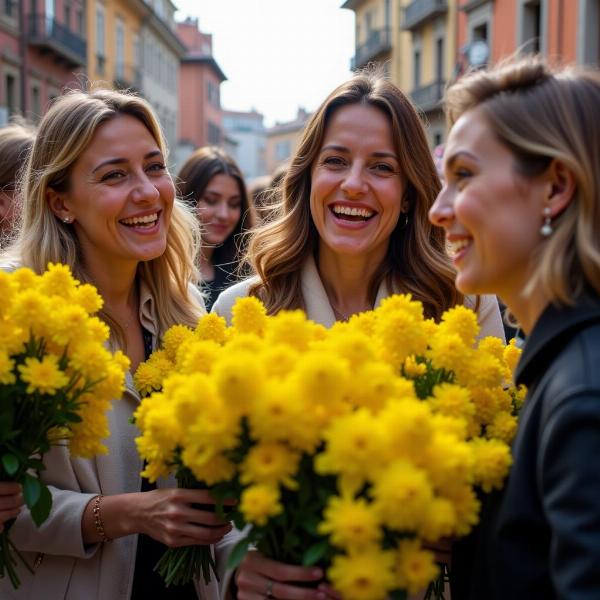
(146, 222)
(348, 213)
(457, 246)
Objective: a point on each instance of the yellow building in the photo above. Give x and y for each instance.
(416, 42)
(114, 46)
(282, 140)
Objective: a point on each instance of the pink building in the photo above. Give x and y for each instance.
(200, 112)
(42, 51)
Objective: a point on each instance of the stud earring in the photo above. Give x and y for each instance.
(67, 220)
(546, 229)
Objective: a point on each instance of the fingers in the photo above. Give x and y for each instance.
(281, 571)
(9, 502)
(198, 497)
(7, 515)
(9, 488)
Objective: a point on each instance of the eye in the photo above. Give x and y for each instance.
(113, 176)
(334, 161)
(208, 200)
(383, 168)
(157, 167)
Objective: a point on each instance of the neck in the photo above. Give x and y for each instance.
(526, 309)
(207, 269)
(346, 281)
(116, 286)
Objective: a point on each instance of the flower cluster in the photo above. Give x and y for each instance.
(353, 446)
(57, 378)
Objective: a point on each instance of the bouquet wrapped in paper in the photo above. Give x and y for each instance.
(57, 380)
(353, 447)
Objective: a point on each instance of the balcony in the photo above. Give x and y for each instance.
(128, 77)
(378, 43)
(421, 11)
(50, 36)
(429, 97)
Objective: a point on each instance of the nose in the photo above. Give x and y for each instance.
(221, 211)
(441, 213)
(354, 183)
(145, 190)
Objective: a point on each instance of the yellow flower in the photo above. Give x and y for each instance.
(401, 302)
(415, 567)
(466, 505)
(259, 502)
(461, 321)
(8, 289)
(354, 346)
(6, 369)
(25, 279)
(512, 355)
(12, 337)
(503, 427)
(279, 360)
(211, 327)
(249, 316)
(351, 523)
(487, 403)
(363, 323)
(43, 376)
(197, 356)
(374, 384)
(57, 281)
(402, 494)
(400, 335)
(207, 466)
(30, 311)
(89, 360)
(354, 450)
(147, 378)
(322, 377)
(67, 324)
(440, 520)
(88, 434)
(448, 351)
(492, 461)
(174, 337)
(486, 370)
(453, 401)
(412, 368)
(365, 574)
(270, 463)
(88, 298)
(290, 327)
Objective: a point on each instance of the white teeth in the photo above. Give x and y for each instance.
(457, 245)
(352, 211)
(148, 219)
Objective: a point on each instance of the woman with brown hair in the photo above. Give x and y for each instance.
(521, 211)
(352, 229)
(212, 183)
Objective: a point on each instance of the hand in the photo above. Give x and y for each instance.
(258, 578)
(11, 501)
(167, 515)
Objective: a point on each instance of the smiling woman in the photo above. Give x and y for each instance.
(98, 197)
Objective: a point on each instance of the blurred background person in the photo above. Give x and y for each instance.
(212, 183)
(16, 140)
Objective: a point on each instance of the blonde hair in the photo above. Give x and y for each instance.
(64, 134)
(541, 114)
(416, 260)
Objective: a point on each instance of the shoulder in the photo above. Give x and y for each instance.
(488, 315)
(224, 303)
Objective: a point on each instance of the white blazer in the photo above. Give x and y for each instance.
(318, 307)
(66, 568)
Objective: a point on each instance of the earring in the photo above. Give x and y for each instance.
(546, 229)
(68, 220)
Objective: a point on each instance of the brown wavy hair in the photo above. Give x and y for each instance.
(193, 179)
(540, 114)
(416, 260)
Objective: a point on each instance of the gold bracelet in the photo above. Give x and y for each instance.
(99, 524)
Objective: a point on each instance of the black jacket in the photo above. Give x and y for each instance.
(539, 538)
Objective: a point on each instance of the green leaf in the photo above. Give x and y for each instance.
(31, 490)
(10, 463)
(41, 510)
(238, 553)
(315, 553)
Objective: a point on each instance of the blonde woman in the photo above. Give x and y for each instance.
(98, 197)
(521, 208)
(353, 229)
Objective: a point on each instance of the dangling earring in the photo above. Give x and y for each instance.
(546, 229)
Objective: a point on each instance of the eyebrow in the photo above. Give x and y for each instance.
(119, 161)
(454, 157)
(344, 149)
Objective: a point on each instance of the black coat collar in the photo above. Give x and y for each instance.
(552, 330)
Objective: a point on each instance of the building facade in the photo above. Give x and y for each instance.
(282, 140)
(248, 131)
(42, 51)
(201, 115)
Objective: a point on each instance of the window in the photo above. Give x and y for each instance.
(36, 104)
(214, 134)
(283, 150)
(531, 26)
(80, 22)
(120, 48)
(439, 59)
(11, 94)
(10, 8)
(417, 69)
(67, 14)
(100, 41)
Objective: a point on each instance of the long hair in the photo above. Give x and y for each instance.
(541, 114)
(416, 260)
(64, 134)
(192, 181)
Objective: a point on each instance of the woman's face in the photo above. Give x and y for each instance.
(220, 209)
(356, 184)
(120, 195)
(492, 215)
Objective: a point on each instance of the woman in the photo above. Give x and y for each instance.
(15, 142)
(211, 181)
(521, 209)
(98, 197)
(353, 230)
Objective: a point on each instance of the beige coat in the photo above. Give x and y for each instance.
(64, 566)
(318, 307)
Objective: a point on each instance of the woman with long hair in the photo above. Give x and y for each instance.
(521, 211)
(211, 182)
(352, 229)
(97, 196)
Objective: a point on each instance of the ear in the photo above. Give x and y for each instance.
(58, 205)
(561, 187)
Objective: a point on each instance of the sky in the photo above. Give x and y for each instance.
(278, 55)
